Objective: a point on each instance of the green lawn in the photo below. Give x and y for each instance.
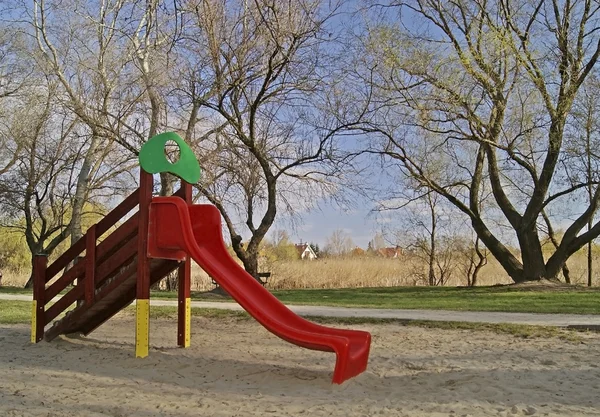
(14, 290)
(574, 300)
(497, 298)
(13, 312)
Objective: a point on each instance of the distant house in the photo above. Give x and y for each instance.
(390, 253)
(305, 251)
(358, 252)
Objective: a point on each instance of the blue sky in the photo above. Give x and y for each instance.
(317, 225)
(359, 222)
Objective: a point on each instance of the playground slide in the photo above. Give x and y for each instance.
(196, 230)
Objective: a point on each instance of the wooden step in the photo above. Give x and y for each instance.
(116, 293)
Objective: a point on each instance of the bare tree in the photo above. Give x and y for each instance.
(36, 192)
(14, 72)
(490, 85)
(15, 75)
(339, 243)
(153, 31)
(583, 139)
(90, 74)
(378, 242)
(259, 80)
(472, 258)
(426, 234)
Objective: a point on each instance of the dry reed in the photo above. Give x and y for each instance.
(352, 273)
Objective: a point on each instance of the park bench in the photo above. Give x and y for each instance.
(263, 278)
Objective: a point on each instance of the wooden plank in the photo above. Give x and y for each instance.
(101, 227)
(142, 316)
(158, 272)
(66, 324)
(184, 273)
(118, 260)
(118, 213)
(81, 281)
(90, 265)
(103, 271)
(64, 259)
(64, 303)
(39, 290)
(113, 285)
(143, 277)
(116, 238)
(60, 284)
(104, 249)
(115, 307)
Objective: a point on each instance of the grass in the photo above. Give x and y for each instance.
(496, 298)
(14, 290)
(15, 312)
(566, 300)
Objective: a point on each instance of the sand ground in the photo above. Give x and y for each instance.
(236, 368)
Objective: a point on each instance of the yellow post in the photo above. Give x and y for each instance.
(142, 327)
(33, 321)
(188, 322)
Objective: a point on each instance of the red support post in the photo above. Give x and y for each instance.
(143, 278)
(143, 268)
(90, 265)
(38, 319)
(80, 283)
(183, 295)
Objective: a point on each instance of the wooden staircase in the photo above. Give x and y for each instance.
(116, 294)
(103, 281)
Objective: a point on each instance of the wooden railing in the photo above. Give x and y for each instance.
(88, 273)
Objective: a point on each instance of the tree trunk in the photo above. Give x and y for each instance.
(534, 267)
(251, 264)
(81, 191)
(432, 253)
(589, 264)
(29, 283)
(482, 261)
(431, 262)
(166, 184)
(566, 273)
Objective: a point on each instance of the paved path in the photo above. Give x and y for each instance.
(559, 320)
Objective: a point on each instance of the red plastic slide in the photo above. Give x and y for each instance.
(177, 229)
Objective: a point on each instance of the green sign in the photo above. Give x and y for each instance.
(153, 159)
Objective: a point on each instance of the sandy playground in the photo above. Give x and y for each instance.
(236, 368)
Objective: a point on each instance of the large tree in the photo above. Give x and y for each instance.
(35, 193)
(15, 75)
(90, 48)
(491, 85)
(257, 73)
